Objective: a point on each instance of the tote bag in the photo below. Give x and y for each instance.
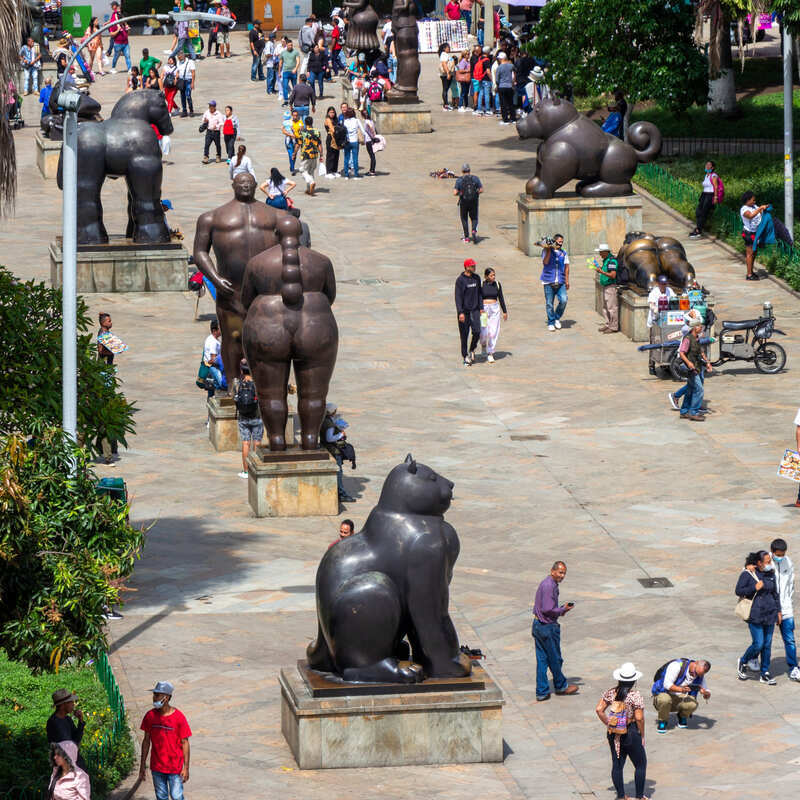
(744, 606)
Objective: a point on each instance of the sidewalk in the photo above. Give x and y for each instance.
(565, 448)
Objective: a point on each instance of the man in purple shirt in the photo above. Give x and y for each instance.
(546, 634)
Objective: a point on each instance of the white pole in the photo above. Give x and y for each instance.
(788, 159)
(488, 23)
(69, 255)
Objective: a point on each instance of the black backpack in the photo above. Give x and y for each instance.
(245, 400)
(469, 189)
(340, 135)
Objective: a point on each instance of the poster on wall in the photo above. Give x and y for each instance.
(295, 13)
(76, 19)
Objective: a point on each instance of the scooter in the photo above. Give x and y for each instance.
(747, 340)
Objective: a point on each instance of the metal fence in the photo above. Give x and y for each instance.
(782, 259)
(97, 755)
(730, 147)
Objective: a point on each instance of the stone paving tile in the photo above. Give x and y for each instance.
(613, 482)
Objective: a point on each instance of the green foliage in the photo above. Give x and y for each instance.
(790, 9)
(30, 392)
(64, 551)
(645, 47)
(761, 118)
(25, 705)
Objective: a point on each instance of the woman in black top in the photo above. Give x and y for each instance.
(493, 305)
(757, 582)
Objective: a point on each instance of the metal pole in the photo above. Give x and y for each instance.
(69, 332)
(788, 144)
(488, 23)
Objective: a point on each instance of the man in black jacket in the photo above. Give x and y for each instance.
(302, 97)
(317, 63)
(60, 725)
(469, 304)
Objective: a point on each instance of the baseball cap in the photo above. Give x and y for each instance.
(163, 687)
(465, 167)
(212, 102)
(602, 247)
(469, 262)
(166, 204)
(663, 279)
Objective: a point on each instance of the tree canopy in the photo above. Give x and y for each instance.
(644, 47)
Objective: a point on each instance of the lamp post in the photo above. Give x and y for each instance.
(69, 102)
(788, 144)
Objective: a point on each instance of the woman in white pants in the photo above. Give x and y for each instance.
(494, 305)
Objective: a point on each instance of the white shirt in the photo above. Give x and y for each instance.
(652, 302)
(671, 677)
(211, 347)
(750, 225)
(352, 126)
(215, 120)
(387, 31)
(246, 165)
(185, 69)
(707, 185)
(274, 191)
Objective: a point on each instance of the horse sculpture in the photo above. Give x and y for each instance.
(124, 144)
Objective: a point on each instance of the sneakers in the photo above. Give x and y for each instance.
(551, 327)
(465, 239)
(467, 362)
(490, 359)
(542, 698)
(794, 675)
(243, 474)
(462, 110)
(109, 613)
(753, 665)
(471, 357)
(557, 323)
(695, 234)
(205, 159)
(741, 669)
(673, 402)
(767, 678)
(661, 727)
(752, 277)
(683, 722)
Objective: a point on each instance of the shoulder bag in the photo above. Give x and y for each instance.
(745, 604)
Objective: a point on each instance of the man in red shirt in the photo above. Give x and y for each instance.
(337, 62)
(168, 731)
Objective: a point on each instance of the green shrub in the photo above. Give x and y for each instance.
(25, 705)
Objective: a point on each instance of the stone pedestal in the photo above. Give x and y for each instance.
(392, 118)
(347, 91)
(223, 432)
(293, 483)
(429, 726)
(125, 266)
(47, 155)
(584, 221)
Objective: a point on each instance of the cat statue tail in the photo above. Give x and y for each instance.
(645, 139)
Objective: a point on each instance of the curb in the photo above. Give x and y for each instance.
(724, 246)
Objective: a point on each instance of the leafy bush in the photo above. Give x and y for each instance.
(25, 705)
(64, 551)
(30, 340)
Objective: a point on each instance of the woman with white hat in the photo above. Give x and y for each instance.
(621, 710)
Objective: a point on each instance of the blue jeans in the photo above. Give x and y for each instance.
(184, 40)
(339, 484)
(122, 50)
(256, 68)
(350, 155)
(271, 80)
(31, 76)
(467, 17)
(286, 79)
(317, 78)
(167, 786)
(301, 110)
(682, 391)
(485, 96)
(550, 294)
(761, 644)
(787, 632)
(693, 397)
(548, 656)
(278, 202)
(392, 64)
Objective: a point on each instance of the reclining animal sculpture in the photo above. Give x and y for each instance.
(646, 255)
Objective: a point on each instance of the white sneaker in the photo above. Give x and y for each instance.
(551, 327)
(462, 110)
(794, 675)
(557, 323)
(113, 71)
(243, 475)
(490, 359)
(471, 358)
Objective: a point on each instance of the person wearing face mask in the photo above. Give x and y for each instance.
(784, 584)
(757, 583)
(709, 198)
(167, 730)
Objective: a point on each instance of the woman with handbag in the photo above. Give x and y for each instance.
(464, 80)
(760, 606)
(277, 190)
(446, 71)
(621, 710)
(331, 148)
(370, 139)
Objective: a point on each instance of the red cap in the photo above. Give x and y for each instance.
(469, 263)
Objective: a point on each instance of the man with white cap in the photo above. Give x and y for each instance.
(657, 301)
(608, 280)
(166, 729)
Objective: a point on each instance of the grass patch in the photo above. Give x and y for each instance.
(26, 704)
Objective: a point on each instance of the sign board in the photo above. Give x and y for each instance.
(295, 13)
(790, 466)
(76, 19)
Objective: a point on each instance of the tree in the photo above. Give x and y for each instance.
(30, 392)
(64, 550)
(645, 47)
(12, 19)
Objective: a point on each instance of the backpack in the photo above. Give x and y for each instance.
(720, 188)
(375, 92)
(658, 678)
(617, 717)
(340, 135)
(245, 400)
(170, 81)
(469, 189)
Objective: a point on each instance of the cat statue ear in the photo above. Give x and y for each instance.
(412, 464)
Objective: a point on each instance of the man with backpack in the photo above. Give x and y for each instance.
(467, 189)
(676, 685)
(251, 428)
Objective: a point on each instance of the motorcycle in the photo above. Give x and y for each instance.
(748, 340)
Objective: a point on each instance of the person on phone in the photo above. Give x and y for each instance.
(751, 219)
(677, 684)
(60, 725)
(546, 633)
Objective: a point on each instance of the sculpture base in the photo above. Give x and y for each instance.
(125, 266)
(391, 730)
(584, 221)
(399, 117)
(223, 432)
(292, 483)
(347, 91)
(47, 155)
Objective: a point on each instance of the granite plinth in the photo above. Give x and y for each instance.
(47, 155)
(584, 221)
(223, 432)
(391, 118)
(292, 483)
(440, 727)
(125, 266)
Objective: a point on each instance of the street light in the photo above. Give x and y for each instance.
(788, 144)
(69, 102)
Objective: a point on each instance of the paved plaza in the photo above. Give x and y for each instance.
(564, 449)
